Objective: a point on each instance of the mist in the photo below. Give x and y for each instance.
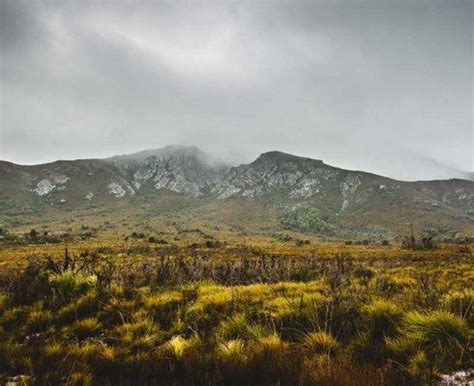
(380, 86)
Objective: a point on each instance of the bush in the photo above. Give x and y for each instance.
(153, 239)
(306, 220)
(424, 242)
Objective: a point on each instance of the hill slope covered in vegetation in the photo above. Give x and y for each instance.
(276, 191)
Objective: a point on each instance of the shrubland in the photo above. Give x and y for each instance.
(219, 313)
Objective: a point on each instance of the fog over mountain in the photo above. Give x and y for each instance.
(380, 86)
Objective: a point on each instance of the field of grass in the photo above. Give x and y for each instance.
(247, 311)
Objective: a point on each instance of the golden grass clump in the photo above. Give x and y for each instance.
(137, 328)
(232, 352)
(3, 302)
(55, 355)
(38, 320)
(382, 318)
(286, 309)
(96, 356)
(14, 317)
(211, 306)
(443, 339)
(162, 301)
(86, 328)
(80, 378)
(461, 303)
(68, 282)
(138, 336)
(83, 306)
(177, 347)
(271, 347)
(238, 327)
(12, 355)
(118, 310)
(320, 343)
(163, 306)
(212, 299)
(440, 334)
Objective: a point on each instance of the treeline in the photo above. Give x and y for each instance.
(34, 236)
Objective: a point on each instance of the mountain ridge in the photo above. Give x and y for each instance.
(469, 176)
(288, 190)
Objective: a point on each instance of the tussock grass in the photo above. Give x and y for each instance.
(85, 305)
(68, 283)
(238, 327)
(461, 303)
(445, 338)
(38, 320)
(382, 318)
(85, 328)
(177, 347)
(320, 343)
(162, 307)
(250, 320)
(233, 354)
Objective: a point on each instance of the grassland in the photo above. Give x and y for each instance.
(245, 311)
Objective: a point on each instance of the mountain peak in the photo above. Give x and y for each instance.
(188, 150)
(166, 150)
(279, 156)
(169, 152)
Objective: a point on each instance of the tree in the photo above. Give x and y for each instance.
(33, 234)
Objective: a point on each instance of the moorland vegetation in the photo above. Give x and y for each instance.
(225, 314)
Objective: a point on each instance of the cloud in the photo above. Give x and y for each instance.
(362, 85)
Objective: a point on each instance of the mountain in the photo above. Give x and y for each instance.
(183, 185)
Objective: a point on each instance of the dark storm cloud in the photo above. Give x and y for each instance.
(384, 86)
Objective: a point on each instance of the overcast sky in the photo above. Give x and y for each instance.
(383, 86)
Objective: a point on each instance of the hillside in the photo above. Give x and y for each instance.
(184, 187)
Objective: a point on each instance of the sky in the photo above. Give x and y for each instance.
(383, 86)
